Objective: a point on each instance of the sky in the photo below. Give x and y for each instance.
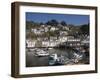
(68, 18)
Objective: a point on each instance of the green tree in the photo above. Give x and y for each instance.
(29, 25)
(85, 29)
(63, 23)
(52, 22)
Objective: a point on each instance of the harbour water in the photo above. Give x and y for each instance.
(32, 60)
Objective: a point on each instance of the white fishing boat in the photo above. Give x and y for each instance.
(32, 49)
(50, 48)
(55, 60)
(41, 53)
(52, 59)
(77, 57)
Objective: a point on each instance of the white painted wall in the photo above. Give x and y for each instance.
(5, 40)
